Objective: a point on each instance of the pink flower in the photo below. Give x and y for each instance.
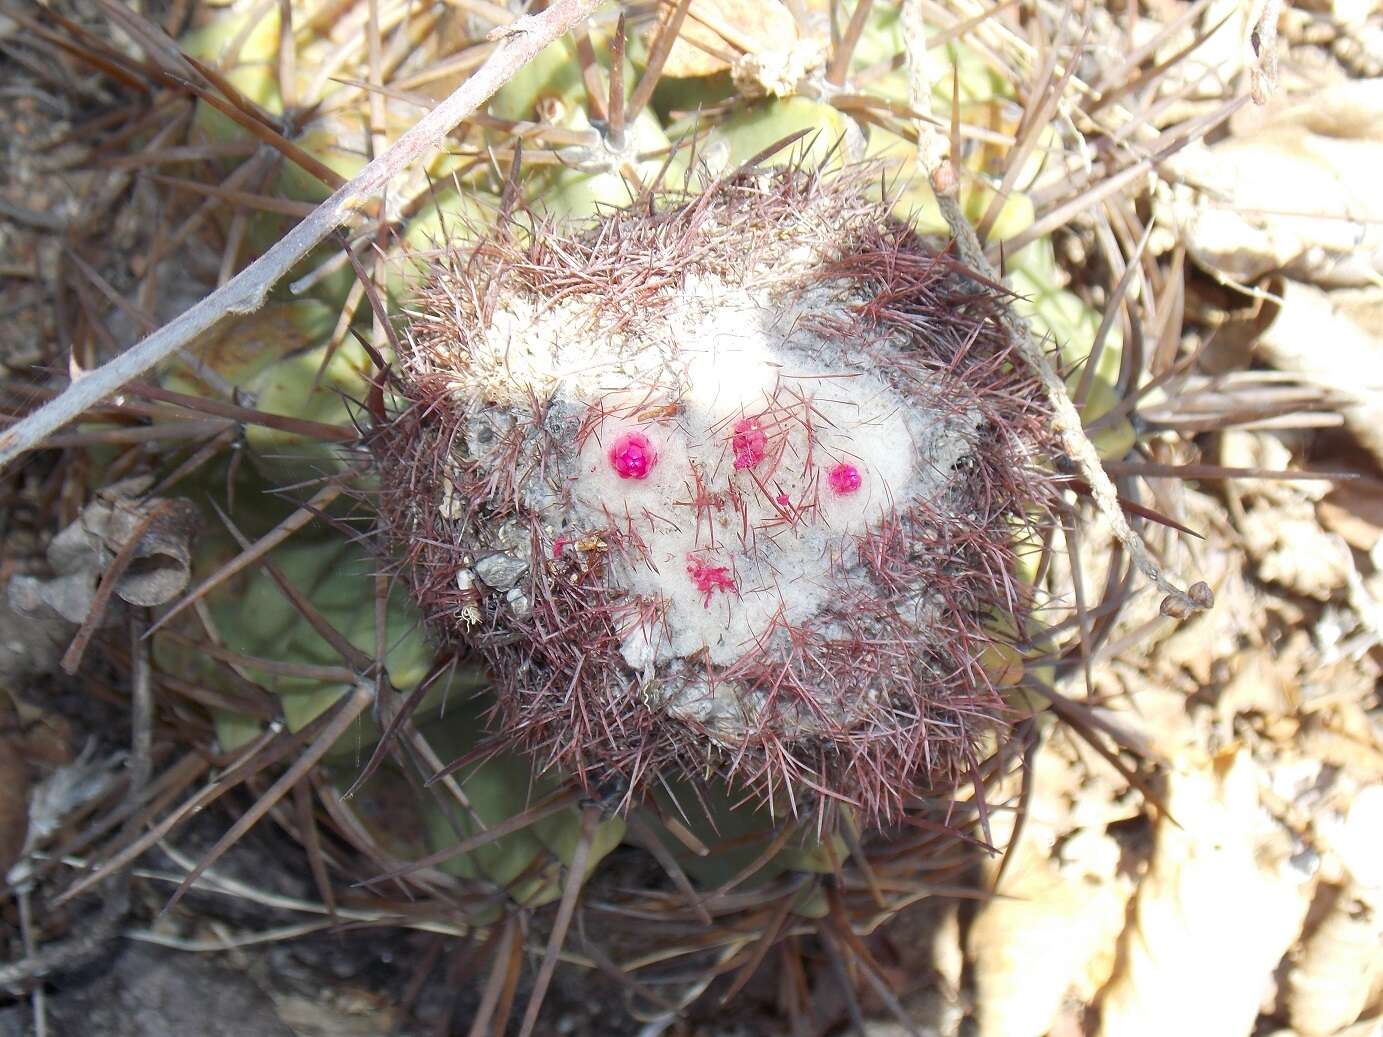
(844, 478)
(632, 455)
(709, 578)
(749, 443)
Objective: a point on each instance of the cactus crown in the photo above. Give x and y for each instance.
(727, 482)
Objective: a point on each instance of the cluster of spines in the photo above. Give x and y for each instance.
(888, 712)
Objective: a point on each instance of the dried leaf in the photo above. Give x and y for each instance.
(1349, 108)
(157, 571)
(1260, 684)
(1049, 932)
(1291, 549)
(1340, 965)
(67, 789)
(1234, 319)
(32, 636)
(1220, 905)
(1279, 526)
(1332, 338)
(1220, 36)
(768, 25)
(1046, 936)
(1354, 510)
(1340, 748)
(1285, 199)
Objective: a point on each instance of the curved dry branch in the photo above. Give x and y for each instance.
(515, 45)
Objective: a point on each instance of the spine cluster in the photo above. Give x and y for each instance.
(730, 484)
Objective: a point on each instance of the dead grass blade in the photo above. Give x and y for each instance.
(1086, 196)
(246, 415)
(1070, 528)
(869, 967)
(239, 199)
(246, 764)
(344, 713)
(669, 863)
(546, 807)
(1031, 740)
(159, 794)
(576, 877)
(499, 987)
(842, 978)
(1151, 75)
(1182, 472)
(1111, 312)
(766, 941)
(397, 724)
(1085, 723)
(1035, 120)
(91, 51)
(1114, 468)
(312, 843)
(657, 57)
(845, 48)
(140, 434)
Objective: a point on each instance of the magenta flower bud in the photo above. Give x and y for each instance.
(844, 478)
(632, 455)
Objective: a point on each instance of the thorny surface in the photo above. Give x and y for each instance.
(1264, 712)
(872, 347)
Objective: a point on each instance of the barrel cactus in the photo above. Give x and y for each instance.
(684, 529)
